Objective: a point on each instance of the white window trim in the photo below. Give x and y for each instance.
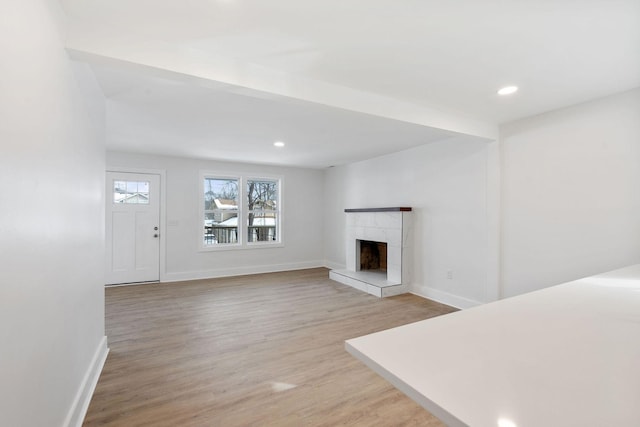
(243, 212)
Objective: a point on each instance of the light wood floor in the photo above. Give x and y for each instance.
(261, 350)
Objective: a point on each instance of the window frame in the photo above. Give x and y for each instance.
(243, 212)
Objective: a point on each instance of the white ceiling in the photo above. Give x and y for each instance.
(436, 56)
(157, 115)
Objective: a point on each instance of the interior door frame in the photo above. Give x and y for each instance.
(163, 209)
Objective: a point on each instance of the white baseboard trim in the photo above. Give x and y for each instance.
(444, 297)
(78, 409)
(240, 271)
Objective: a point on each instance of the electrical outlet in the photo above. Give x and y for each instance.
(450, 274)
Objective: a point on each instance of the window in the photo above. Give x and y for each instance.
(132, 192)
(221, 210)
(262, 205)
(240, 212)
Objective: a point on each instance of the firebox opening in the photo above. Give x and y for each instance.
(373, 255)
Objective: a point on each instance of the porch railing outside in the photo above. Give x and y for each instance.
(229, 234)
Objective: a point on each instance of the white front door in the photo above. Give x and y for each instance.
(132, 228)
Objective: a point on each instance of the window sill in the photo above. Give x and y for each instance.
(241, 247)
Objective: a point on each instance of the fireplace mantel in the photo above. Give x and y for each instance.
(398, 209)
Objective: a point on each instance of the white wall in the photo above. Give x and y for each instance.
(301, 216)
(51, 222)
(446, 185)
(571, 193)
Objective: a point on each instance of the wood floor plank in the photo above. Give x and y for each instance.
(259, 350)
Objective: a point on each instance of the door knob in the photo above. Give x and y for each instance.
(155, 235)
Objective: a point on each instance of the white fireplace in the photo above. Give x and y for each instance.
(377, 251)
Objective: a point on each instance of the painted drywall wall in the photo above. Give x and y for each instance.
(301, 218)
(571, 193)
(445, 183)
(51, 225)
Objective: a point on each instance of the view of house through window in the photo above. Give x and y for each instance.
(254, 200)
(220, 210)
(134, 192)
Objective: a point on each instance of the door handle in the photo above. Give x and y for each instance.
(155, 235)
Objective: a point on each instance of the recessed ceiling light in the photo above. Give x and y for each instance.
(508, 90)
(504, 422)
(278, 144)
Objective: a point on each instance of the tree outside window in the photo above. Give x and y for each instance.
(262, 205)
(229, 202)
(220, 211)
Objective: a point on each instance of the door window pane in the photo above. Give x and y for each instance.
(134, 192)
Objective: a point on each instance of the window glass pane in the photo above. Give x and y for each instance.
(220, 193)
(132, 187)
(221, 232)
(136, 192)
(119, 191)
(141, 195)
(261, 227)
(262, 194)
(143, 187)
(220, 211)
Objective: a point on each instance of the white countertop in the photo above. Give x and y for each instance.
(568, 355)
